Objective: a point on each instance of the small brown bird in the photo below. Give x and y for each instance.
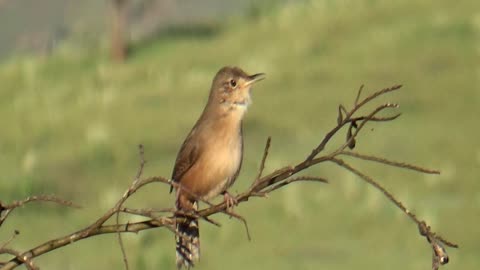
(211, 156)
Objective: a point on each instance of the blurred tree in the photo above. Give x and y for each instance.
(118, 42)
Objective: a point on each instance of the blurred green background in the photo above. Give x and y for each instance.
(71, 120)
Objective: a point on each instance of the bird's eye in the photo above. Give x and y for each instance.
(233, 83)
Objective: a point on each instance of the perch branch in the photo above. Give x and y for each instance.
(261, 186)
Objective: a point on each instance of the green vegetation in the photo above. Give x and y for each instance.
(70, 125)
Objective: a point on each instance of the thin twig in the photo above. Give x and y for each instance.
(6, 209)
(375, 184)
(6, 243)
(40, 198)
(390, 162)
(348, 117)
(264, 158)
(243, 220)
(358, 96)
(120, 243)
(147, 212)
(373, 96)
(295, 179)
(375, 119)
(141, 151)
(360, 127)
(389, 195)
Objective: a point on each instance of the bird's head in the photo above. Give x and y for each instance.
(231, 88)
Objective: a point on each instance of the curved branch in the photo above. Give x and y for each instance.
(6, 209)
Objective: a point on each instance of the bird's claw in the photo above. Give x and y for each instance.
(230, 200)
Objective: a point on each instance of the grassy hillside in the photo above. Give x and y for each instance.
(70, 125)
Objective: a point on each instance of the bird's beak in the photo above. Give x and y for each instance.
(255, 78)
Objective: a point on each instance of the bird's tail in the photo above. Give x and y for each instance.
(187, 238)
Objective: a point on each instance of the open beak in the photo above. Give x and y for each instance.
(255, 78)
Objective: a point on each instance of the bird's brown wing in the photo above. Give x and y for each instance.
(186, 158)
(234, 177)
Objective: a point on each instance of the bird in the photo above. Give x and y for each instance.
(210, 157)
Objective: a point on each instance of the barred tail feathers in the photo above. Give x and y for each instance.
(187, 241)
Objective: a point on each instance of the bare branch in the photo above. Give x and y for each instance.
(147, 212)
(376, 119)
(295, 179)
(242, 219)
(15, 233)
(120, 243)
(348, 118)
(375, 184)
(137, 179)
(6, 209)
(261, 186)
(390, 196)
(23, 259)
(373, 96)
(358, 95)
(390, 162)
(264, 158)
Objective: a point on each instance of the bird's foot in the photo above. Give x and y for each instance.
(230, 200)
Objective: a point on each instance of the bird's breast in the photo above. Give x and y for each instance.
(218, 164)
(224, 157)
